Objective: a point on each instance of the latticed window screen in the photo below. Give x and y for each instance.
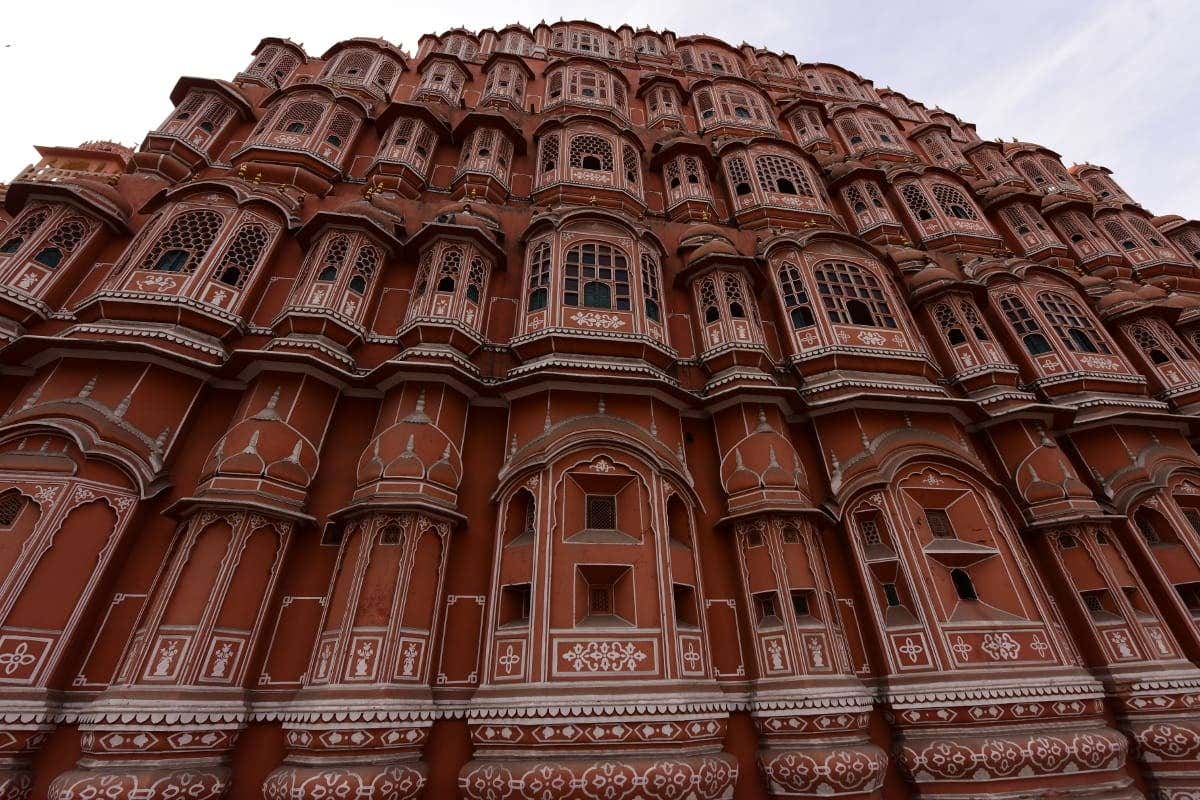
(704, 104)
(600, 599)
(953, 202)
(549, 157)
(1023, 324)
(807, 124)
(1120, 234)
(63, 240)
(1069, 322)
(869, 528)
(972, 317)
(353, 66)
(841, 286)
(850, 130)
(591, 152)
(650, 288)
(601, 512)
(20, 233)
(948, 323)
(365, 263)
(11, 504)
(1146, 231)
(184, 243)
(708, 300)
(939, 523)
(1147, 529)
(449, 269)
(539, 277)
(1190, 242)
(782, 175)
(795, 297)
(242, 255)
(335, 256)
(917, 202)
(884, 131)
(476, 279)
(632, 164)
(1193, 517)
(300, 117)
(739, 176)
(738, 105)
(599, 273)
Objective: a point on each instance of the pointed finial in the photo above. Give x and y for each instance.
(600, 406)
(123, 406)
(86, 391)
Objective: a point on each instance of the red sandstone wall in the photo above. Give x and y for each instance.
(866, 471)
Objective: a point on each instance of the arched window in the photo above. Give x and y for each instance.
(1024, 325)
(335, 256)
(917, 202)
(739, 176)
(650, 290)
(184, 243)
(12, 503)
(795, 297)
(963, 585)
(22, 231)
(365, 263)
(476, 277)
(782, 175)
(505, 82)
(807, 125)
(549, 153)
(300, 116)
(632, 164)
(539, 277)
(949, 324)
(972, 319)
(600, 272)
(1072, 324)
(242, 255)
(851, 295)
(62, 241)
(1148, 342)
(953, 202)
(591, 152)
(449, 269)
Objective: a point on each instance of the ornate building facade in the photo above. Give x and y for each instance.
(590, 414)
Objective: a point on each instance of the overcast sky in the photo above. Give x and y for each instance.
(1113, 83)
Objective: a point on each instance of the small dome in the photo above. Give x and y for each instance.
(904, 254)
(107, 192)
(930, 276)
(1090, 282)
(1116, 299)
(376, 210)
(475, 215)
(697, 235)
(714, 247)
(1150, 292)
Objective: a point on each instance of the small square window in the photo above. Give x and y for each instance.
(939, 523)
(601, 512)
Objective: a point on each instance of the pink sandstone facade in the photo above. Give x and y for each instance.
(583, 414)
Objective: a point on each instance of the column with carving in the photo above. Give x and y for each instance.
(358, 726)
(168, 722)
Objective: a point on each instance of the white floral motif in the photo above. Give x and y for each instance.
(45, 494)
(1001, 646)
(18, 657)
(602, 465)
(872, 338)
(595, 320)
(158, 283)
(604, 656)
(166, 657)
(221, 660)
